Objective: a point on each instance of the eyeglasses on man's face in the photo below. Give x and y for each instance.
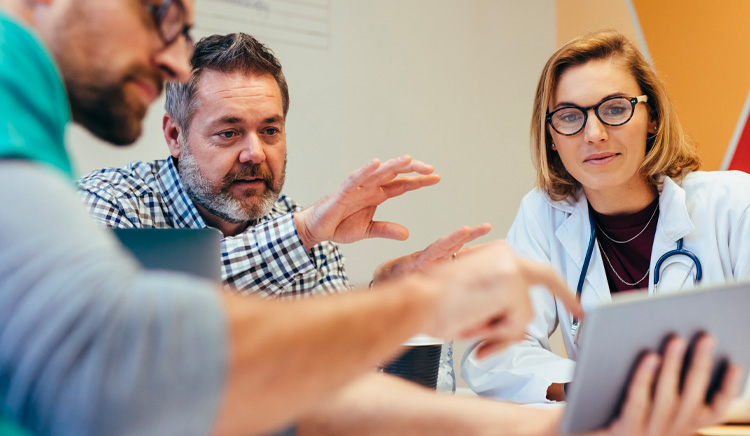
(612, 111)
(170, 19)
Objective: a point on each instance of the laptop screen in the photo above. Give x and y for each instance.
(192, 251)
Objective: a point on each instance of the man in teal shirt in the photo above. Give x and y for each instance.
(91, 344)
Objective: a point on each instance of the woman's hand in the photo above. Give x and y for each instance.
(656, 406)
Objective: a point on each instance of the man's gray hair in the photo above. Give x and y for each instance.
(235, 52)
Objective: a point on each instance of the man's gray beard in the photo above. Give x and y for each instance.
(221, 204)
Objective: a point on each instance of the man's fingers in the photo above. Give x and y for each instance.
(356, 178)
(413, 166)
(478, 232)
(406, 184)
(387, 230)
(392, 168)
(388, 170)
(466, 251)
(444, 244)
(473, 233)
(420, 167)
(458, 238)
(448, 244)
(444, 247)
(540, 274)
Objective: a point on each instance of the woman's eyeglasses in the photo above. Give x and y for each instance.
(612, 111)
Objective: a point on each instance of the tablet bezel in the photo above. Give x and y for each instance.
(614, 336)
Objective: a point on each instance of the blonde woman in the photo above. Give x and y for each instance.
(617, 189)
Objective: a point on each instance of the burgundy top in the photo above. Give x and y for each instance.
(630, 260)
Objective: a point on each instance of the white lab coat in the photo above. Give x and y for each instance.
(710, 210)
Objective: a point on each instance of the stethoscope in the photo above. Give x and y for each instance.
(657, 267)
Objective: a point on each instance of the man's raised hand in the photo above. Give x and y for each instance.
(346, 214)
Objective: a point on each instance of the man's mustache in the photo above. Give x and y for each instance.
(251, 172)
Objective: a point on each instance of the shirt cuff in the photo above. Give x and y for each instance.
(280, 246)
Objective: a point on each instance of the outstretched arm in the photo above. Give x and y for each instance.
(380, 404)
(308, 350)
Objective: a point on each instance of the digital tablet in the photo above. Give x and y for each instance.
(192, 251)
(615, 335)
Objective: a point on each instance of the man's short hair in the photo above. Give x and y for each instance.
(235, 52)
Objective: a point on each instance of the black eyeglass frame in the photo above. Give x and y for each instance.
(159, 12)
(633, 101)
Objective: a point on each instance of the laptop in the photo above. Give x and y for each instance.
(615, 335)
(192, 251)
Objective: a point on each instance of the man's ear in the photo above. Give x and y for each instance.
(172, 134)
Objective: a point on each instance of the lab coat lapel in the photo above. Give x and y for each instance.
(574, 235)
(674, 223)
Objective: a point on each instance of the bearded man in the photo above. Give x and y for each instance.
(225, 129)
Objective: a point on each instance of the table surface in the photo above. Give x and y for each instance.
(725, 430)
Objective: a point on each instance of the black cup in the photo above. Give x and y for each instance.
(418, 363)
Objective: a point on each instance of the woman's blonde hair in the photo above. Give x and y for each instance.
(668, 152)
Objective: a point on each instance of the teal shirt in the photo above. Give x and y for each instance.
(34, 107)
(34, 110)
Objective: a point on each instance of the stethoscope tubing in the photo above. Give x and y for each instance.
(657, 265)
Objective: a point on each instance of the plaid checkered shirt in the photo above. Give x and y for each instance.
(267, 259)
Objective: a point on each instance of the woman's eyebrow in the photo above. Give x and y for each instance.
(569, 104)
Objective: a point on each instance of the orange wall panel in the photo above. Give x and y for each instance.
(703, 54)
(577, 17)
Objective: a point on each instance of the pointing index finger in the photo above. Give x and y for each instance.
(540, 274)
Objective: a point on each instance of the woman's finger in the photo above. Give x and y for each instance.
(667, 390)
(635, 412)
(730, 388)
(697, 379)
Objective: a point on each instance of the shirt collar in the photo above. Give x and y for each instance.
(179, 205)
(674, 219)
